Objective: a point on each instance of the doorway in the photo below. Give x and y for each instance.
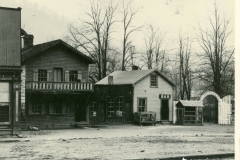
(57, 74)
(80, 114)
(165, 110)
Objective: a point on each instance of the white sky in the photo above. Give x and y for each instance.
(48, 20)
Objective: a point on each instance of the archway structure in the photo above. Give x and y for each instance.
(224, 108)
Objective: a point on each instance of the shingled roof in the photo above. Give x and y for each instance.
(131, 77)
(29, 52)
(187, 103)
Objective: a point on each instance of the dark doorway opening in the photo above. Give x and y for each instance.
(80, 111)
(165, 110)
(128, 112)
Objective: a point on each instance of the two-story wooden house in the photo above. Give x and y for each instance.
(10, 70)
(123, 93)
(55, 78)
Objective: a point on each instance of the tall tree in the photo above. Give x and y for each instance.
(217, 56)
(155, 55)
(185, 73)
(93, 35)
(128, 15)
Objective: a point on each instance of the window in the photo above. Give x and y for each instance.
(36, 107)
(57, 106)
(153, 80)
(93, 109)
(73, 76)
(110, 106)
(119, 106)
(42, 75)
(142, 104)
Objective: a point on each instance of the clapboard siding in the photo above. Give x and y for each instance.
(142, 90)
(56, 58)
(10, 42)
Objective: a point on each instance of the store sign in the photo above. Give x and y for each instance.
(164, 96)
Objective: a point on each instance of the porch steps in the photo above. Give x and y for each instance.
(79, 125)
(165, 122)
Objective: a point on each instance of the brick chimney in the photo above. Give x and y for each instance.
(134, 67)
(28, 40)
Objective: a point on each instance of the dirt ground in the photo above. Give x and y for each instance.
(121, 142)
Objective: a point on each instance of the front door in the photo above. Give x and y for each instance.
(165, 110)
(80, 112)
(128, 112)
(57, 75)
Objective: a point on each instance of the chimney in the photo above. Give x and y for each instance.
(134, 67)
(28, 40)
(110, 79)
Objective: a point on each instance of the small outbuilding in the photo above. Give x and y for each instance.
(189, 112)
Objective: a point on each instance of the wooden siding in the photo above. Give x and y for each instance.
(101, 95)
(143, 89)
(56, 58)
(10, 38)
(47, 120)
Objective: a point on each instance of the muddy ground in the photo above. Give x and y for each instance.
(121, 142)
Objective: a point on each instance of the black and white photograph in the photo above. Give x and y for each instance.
(119, 79)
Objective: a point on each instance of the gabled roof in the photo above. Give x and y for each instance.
(131, 77)
(187, 103)
(29, 52)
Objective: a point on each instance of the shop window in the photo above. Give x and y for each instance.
(110, 107)
(36, 107)
(142, 104)
(42, 75)
(93, 109)
(153, 79)
(119, 107)
(57, 105)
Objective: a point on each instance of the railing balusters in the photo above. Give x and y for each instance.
(78, 86)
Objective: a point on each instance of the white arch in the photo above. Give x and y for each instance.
(210, 93)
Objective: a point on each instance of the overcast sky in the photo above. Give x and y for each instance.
(49, 20)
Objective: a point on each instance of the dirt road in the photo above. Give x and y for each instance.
(121, 142)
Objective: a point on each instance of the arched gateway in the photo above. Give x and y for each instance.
(224, 107)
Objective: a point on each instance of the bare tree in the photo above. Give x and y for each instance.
(217, 56)
(155, 55)
(128, 16)
(94, 34)
(185, 74)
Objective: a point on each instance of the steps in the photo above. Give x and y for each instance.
(165, 122)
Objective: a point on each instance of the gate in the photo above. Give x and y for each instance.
(224, 107)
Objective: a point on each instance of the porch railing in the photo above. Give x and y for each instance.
(59, 86)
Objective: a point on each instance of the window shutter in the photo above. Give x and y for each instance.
(80, 75)
(49, 75)
(66, 76)
(30, 107)
(35, 75)
(51, 107)
(64, 107)
(43, 108)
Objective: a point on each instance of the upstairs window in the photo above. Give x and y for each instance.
(73, 76)
(142, 104)
(153, 79)
(110, 107)
(42, 75)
